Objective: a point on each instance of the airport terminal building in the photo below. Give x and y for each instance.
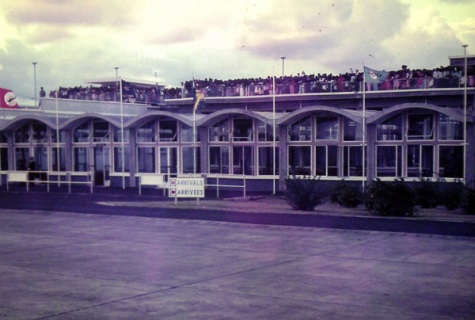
(253, 134)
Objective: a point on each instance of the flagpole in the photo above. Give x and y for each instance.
(194, 141)
(273, 131)
(465, 116)
(194, 136)
(57, 139)
(122, 132)
(363, 166)
(194, 129)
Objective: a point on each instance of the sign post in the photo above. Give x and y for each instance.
(186, 188)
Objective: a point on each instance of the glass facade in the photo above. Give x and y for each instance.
(121, 159)
(243, 130)
(118, 135)
(390, 130)
(243, 160)
(420, 127)
(265, 132)
(327, 128)
(101, 131)
(450, 161)
(300, 160)
(388, 161)
(266, 160)
(335, 150)
(191, 159)
(219, 131)
(146, 159)
(408, 144)
(430, 140)
(353, 161)
(219, 160)
(168, 131)
(326, 161)
(352, 130)
(147, 132)
(58, 158)
(81, 161)
(82, 133)
(449, 128)
(301, 130)
(3, 159)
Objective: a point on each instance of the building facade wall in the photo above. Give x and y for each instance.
(402, 139)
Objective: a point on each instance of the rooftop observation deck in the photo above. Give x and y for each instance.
(260, 97)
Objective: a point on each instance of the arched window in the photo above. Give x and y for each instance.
(327, 128)
(147, 132)
(82, 133)
(301, 130)
(219, 131)
(390, 130)
(449, 128)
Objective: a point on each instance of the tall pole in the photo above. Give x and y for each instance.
(122, 133)
(363, 165)
(465, 115)
(194, 141)
(283, 58)
(34, 76)
(273, 132)
(58, 159)
(194, 99)
(116, 79)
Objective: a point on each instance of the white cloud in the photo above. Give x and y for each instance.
(76, 40)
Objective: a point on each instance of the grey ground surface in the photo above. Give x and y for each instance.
(57, 265)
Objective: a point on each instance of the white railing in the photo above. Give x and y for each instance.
(153, 179)
(31, 177)
(160, 181)
(219, 185)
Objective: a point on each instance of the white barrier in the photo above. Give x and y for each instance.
(156, 180)
(17, 176)
(24, 177)
(219, 185)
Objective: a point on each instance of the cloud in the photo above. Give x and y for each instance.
(176, 36)
(66, 13)
(48, 34)
(50, 21)
(73, 40)
(306, 30)
(457, 1)
(464, 29)
(432, 38)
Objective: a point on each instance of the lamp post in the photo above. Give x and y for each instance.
(34, 76)
(465, 114)
(283, 58)
(122, 135)
(116, 76)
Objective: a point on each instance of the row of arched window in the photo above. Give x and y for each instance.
(409, 144)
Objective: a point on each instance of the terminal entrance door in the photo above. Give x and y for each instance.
(102, 166)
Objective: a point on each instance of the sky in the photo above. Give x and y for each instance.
(174, 41)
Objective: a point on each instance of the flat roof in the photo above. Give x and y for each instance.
(459, 61)
(135, 82)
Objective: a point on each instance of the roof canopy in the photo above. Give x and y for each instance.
(135, 82)
(459, 61)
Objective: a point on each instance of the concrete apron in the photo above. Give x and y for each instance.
(56, 265)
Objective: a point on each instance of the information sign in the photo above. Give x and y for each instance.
(187, 188)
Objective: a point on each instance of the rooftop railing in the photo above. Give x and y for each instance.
(266, 89)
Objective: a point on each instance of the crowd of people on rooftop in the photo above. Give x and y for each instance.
(302, 83)
(130, 93)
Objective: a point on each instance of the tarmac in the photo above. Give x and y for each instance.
(70, 265)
